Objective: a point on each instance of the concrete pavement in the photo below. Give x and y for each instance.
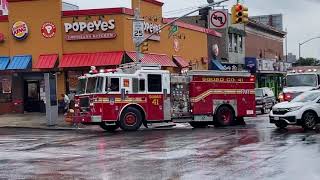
(33, 120)
(38, 121)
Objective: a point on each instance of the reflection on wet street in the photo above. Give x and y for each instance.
(256, 151)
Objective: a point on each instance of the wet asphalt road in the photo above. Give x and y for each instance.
(256, 151)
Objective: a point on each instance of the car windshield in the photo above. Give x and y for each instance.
(307, 96)
(81, 86)
(302, 80)
(259, 93)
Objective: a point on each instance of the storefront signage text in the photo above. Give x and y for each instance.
(90, 30)
(20, 30)
(90, 26)
(150, 28)
(223, 79)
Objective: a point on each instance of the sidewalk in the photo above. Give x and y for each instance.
(33, 120)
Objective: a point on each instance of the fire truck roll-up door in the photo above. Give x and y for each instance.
(158, 99)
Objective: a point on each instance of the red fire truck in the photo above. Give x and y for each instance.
(137, 94)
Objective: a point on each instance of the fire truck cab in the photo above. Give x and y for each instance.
(137, 94)
(298, 82)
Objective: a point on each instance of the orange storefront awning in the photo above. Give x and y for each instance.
(91, 59)
(160, 59)
(47, 61)
(182, 63)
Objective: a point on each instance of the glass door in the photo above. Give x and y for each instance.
(32, 96)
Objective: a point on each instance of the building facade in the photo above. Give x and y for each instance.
(273, 20)
(67, 43)
(231, 45)
(264, 54)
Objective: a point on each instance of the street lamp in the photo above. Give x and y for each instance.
(304, 42)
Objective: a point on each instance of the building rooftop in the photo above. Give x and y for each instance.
(255, 24)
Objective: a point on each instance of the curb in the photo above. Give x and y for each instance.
(53, 128)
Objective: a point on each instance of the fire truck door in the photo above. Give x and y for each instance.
(155, 98)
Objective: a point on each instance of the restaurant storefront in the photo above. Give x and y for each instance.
(37, 37)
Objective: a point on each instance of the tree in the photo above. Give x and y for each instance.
(306, 62)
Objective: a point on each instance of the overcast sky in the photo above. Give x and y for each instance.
(301, 17)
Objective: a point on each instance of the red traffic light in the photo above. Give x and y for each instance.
(239, 7)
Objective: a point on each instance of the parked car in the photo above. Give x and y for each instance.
(303, 110)
(265, 99)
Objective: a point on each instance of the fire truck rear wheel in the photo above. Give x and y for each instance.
(130, 119)
(109, 128)
(225, 116)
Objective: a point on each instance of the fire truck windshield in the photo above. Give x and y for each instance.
(81, 86)
(297, 80)
(90, 85)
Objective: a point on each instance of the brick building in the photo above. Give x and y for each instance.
(231, 44)
(264, 54)
(263, 41)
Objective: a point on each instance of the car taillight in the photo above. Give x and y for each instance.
(287, 96)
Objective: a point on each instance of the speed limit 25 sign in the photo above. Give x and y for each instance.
(138, 31)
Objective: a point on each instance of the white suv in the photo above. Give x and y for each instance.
(303, 110)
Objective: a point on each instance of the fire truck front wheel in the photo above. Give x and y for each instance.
(130, 119)
(224, 116)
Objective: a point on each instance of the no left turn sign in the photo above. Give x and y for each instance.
(218, 19)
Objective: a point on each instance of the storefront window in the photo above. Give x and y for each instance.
(73, 80)
(5, 89)
(235, 44)
(230, 42)
(240, 44)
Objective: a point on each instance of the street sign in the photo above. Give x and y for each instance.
(218, 19)
(138, 31)
(173, 30)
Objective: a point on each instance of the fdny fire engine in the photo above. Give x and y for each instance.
(299, 81)
(141, 94)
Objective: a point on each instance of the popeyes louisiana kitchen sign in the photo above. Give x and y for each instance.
(48, 30)
(20, 30)
(90, 30)
(150, 28)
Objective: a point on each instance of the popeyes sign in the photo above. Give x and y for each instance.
(90, 30)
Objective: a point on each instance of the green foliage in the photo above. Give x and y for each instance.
(306, 62)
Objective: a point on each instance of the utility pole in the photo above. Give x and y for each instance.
(286, 45)
(138, 32)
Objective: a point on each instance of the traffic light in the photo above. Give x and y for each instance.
(145, 47)
(204, 12)
(239, 14)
